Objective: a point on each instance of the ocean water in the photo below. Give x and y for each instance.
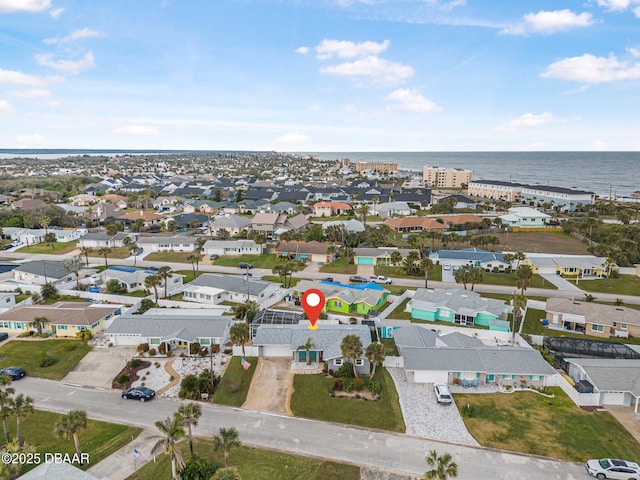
(605, 173)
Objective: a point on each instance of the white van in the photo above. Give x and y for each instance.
(443, 395)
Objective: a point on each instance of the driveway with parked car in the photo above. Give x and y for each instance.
(424, 416)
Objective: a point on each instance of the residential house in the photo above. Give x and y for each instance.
(63, 319)
(162, 243)
(268, 223)
(39, 272)
(101, 212)
(525, 217)
(312, 251)
(410, 225)
(28, 204)
(32, 236)
(103, 240)
(330, 209)
(286, 341)
(298, 223)
(361, 299)
(186, 221)
(350, 226)
(274, 317)
(572, 266)
(175, 330)
(463, 360)
(592, 318)
(83, 199)
(472, 257)
(391, 209)
(167, 204)
(460, 307)
(462, 220)
(57, 471)
(148, 218)
(377, 256)
(461, 201)
(133, 278)
(284, 207)
(232, 247)
(231, 224)
(214, 288)
(208, 207)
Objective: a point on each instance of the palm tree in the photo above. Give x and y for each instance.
(375, 353)
(351, 348)
(476, 275)
(104, 252)
(226, 439)
(462, 276)
(38, 323)
(518, 257)
(12, 470)
(519, 304)
(6, 403)
(189, 414)
(239, 334)
(427, 264)
(165, 274)
(74, 265)
(86, 251)
(194, 259)
(22, 408)
(153, 281)
(306, 347)
(171, 431)
(442, 466)
(523, 276)
(608, 266)
(69, 426)
(133, 248)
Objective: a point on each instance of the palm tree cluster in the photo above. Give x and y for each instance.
(18, 406)
(467, 275)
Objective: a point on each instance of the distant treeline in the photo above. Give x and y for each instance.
(68, 185)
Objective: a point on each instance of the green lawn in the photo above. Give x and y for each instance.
(99, 439)
(28, 354)
(117, 252)
(258, 261)
(341, 265)
(554, 427)
(255, 464)
(623, 285)
(399, 313)
(435, 273)
(235, 383)
(507, 297)
(532, 323)
(188, 275)
(171, 257)
(509, 280)
(141, 293)
(276, 279)
(390, 346)
(58, 248)
(311, 399)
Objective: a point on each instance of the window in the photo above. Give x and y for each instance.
(359, 362)
(337, 362)
(597, 328)
(337, 304)
(5, 324)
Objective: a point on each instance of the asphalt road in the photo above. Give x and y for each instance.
(302, 436)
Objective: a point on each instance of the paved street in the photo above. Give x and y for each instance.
(301, 436)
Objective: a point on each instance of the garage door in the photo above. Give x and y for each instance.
(276, 351)
(365, 261)
(430, 376)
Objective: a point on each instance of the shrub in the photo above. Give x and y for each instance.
(123, 378)
(228, 351)
(345, 371)
(330, 372)
(84, 335)
(216, 348)
(162, 348)
(358, 384)
(348, 385)
(374, 387)
(135, 362)
(48, 360)
(467, 411)
(231, 385)
(152, 351)
(143, 347)
(194, 348)
(338, 385)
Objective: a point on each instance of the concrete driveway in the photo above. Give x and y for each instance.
(270, 385)
(99, 367)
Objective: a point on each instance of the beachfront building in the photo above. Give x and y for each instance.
(565, 199)
(495, 190)
(377, 167)
(446, 177)
(525, 217)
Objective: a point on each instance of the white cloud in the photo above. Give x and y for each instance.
(529, 120)
(591, 69)
(616, 5)
(19, 78)
(291, 140)
(30, 141)
(636, 12)
(70, 67)
(345, 49)
(140, 130)
(73, 36)
(302, 50)
(378, 70)
(5, 107)
(314, 107)
(634, 52)
(413, 101)
(547, 22)
(350, 108)
(56, 12)
(32, 93)
(31, 6)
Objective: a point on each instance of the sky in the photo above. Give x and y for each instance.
(320, 75)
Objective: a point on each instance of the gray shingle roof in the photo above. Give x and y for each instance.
(169, 327)
(461, 301)
(232, 283)
(611, 374)
(48, 268)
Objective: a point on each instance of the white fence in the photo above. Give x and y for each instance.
(580, 399)
(249, 351)
(394, 362)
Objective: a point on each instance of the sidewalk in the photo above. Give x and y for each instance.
(122, 463)
(561, 283)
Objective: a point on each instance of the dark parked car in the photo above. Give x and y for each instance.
(139, 393)
(3, 336)
(14, 372)
(213, 256)
(245, 265)
(328, 279)
(357, 279)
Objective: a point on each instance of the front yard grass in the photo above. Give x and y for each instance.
(28, 355)
(99, 439)
(623, 285)
(235, 383)
(276, 279)
(554, 427)
(532, 323)
(58, 248)
(435, 273)
(171, 257)
(311, 399)
(188, 275)
(509, 280)
(254, 464)
(399, 313)
(341, 265)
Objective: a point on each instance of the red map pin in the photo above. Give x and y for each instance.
(313, 303)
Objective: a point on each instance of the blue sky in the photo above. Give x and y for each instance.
(320, 75)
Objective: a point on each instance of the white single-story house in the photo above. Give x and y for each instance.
(102, 240)
(389, 209)
(177, 243)
(39, 272)
(232, 224)
(285, 341)
(232, 247)
(133, 278)
(582, 266)
(214, 288)
(472, 257)
(525, 217)
(32, 236)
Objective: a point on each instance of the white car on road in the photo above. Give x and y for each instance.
(613, 468)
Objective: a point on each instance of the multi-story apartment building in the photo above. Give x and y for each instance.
(377, 167)
(495, 190)
(446, 177)
(564, 198)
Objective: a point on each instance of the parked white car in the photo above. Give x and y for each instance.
(380, 279)
(613, 468)
(443, 395)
